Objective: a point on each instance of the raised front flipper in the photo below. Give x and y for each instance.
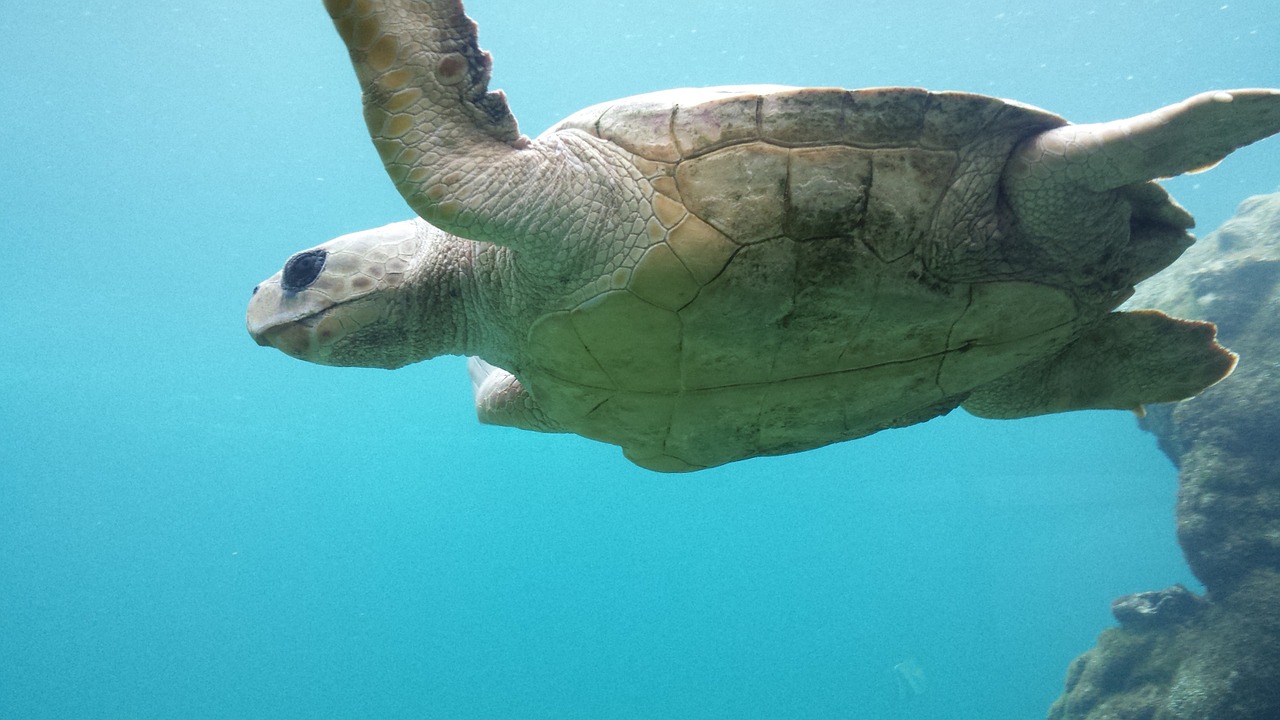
(502, 400)
(1126, 361)
(451, 146)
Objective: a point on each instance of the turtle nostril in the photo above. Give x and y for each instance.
(302, 269)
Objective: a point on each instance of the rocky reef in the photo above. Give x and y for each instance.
(1176, 655)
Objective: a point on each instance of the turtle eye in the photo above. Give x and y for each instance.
(302, 269)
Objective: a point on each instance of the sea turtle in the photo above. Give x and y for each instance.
(706, 275)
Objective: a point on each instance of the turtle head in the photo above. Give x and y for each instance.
(349, 301)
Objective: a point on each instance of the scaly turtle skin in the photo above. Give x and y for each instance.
(702, 276)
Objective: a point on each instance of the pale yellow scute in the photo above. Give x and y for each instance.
(556, 344)
(668, 211)
(654, 232)
(667, 186)
(704, 250)
(636, 343)
(661, 279)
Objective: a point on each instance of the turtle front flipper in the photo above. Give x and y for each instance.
(451, 146)
(502, 400)
(1128, 360)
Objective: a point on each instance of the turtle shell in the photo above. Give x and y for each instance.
(814, 265)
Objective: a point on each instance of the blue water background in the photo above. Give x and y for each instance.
(195, 527)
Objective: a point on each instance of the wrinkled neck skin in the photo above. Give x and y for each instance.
(450, 304)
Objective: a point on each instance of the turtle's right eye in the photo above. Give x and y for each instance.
(302, 269)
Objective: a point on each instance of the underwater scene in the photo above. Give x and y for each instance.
(193, 526)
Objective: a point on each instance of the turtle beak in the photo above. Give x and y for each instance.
(280, 320)
(257, 330)
(296, 339)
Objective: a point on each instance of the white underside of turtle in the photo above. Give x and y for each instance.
(705, 275)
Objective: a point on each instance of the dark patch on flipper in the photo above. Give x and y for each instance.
(492, 106)
(1127, 360)
(438, 42)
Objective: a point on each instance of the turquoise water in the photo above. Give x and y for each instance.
(194, 527)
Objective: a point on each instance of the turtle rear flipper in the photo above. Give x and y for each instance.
(1060, 182)
(1126, 361)
(1188, 136)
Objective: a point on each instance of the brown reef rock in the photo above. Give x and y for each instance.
(1175, 655)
